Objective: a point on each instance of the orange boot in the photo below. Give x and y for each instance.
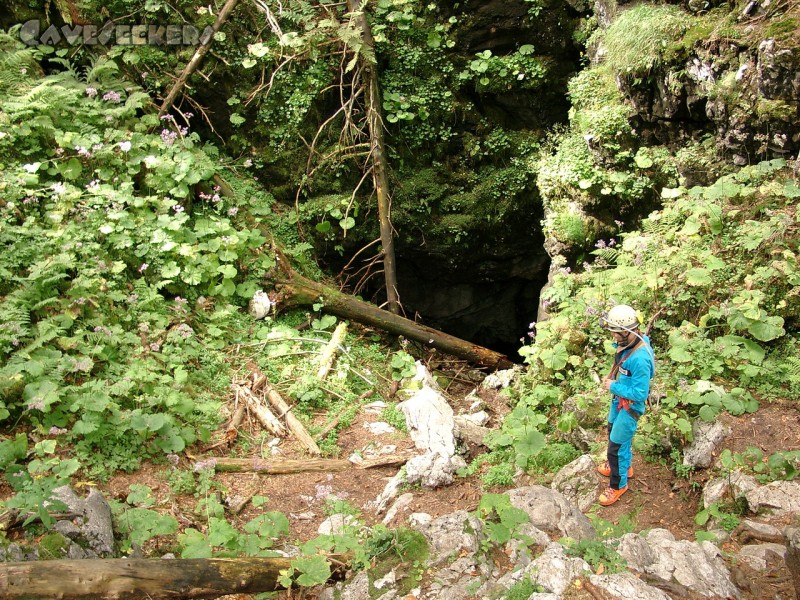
(610, 496)
(605, 470)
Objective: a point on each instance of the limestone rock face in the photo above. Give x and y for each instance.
(746, 97)
(778, 497)
(627, 585)
(707, 438)
(578, 482)
(554, 570)
(699, 567)
(94, 524)
(451, 534)
(552, 512)
(431, 424)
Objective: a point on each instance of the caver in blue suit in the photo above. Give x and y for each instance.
(634, 367)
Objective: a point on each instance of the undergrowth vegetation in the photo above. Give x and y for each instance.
(715, 273)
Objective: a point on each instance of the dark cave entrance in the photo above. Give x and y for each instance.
(494, 314)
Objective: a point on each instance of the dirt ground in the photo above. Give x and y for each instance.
(657, 498)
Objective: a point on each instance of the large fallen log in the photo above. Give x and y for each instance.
(296, 290)
(134, 579)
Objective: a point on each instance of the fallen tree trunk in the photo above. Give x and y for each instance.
(296, 290)
(134, 579)
(329, 353)
(264, 466)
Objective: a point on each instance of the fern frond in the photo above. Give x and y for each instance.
(661, 223)
(102, 71)
(46, 302)
(607, 254)
(792, 368)
(18, 68)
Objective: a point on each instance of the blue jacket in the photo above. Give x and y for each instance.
(633, 378)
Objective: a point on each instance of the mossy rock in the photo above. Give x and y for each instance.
(53, 546)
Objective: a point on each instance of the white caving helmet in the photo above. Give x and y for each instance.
(620, 318)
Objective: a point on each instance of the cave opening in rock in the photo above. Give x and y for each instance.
(496, 314)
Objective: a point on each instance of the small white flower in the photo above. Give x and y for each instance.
(58, 188)
(125, 146)
(32, 167)
(150, 161)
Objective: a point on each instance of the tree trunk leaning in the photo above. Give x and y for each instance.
(197, 58)
(296, 290)
(378, 156)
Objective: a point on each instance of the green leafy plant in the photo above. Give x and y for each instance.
(403, 366)
(522, 590)
(501, 520)
(33, 483)
(600, 555)
(781, 465)
(395, 417)
(720, 512)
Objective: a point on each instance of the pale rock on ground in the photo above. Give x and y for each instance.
(93, 525)
(736, 485)
(390, 491)
(554, 570)
(627, 585)
(452, 534)
(707, 438)
(758, 556)
(402, 502)
(552, 512)
(777, 497)
(468, 431)
(578, 482)
(699, 567)
(335, 524)
(501, 379)
(430, 423)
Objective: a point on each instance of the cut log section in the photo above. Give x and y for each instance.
(284, 410)
(264, 415)
(134, 579)
(329, 353)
